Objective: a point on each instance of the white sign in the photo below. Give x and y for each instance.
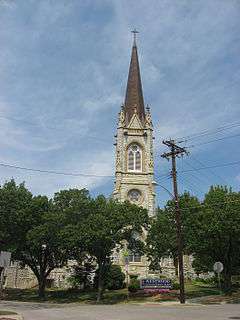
(218, 267)
(5, 258)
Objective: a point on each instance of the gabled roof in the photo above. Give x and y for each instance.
(134, 95)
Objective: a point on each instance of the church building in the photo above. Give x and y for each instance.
(134, 170)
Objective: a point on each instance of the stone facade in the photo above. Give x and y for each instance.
(134, 166)
(16, 276)
(134, 144)
(141, 135)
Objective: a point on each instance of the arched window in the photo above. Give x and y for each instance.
(134, 158)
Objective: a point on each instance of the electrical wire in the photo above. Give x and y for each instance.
(56, 172)
(192, 186)
(215, 140)
(196, 177)
(211, 171)
(163, 176)
(210, 131)
(210, 167)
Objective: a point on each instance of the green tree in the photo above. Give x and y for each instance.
(215, 233)
(161, 239)
(15, 203)
(41, 245)
(95, 227)
(32, 231)
(75, 206)
(83, 273)
(110, 224)
(113, 278)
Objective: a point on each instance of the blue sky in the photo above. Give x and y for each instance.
(63, 72)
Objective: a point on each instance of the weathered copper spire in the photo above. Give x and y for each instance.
(134, 96)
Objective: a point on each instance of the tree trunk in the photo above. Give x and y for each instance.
(41, 287)
(1, 281)
(175, 262)
(227, 281)
(227, 284)
(100, 281)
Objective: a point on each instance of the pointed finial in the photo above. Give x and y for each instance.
(134, 36)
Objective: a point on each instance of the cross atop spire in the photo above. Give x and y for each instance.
(134, 102)
(134, 32)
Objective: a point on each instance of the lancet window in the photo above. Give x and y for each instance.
(134, 158)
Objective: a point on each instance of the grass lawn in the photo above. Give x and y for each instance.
(193, 290)
(199, 289)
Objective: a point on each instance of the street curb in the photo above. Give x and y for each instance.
(169, 304)
(12, 316)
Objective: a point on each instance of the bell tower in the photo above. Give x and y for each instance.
(134, 177)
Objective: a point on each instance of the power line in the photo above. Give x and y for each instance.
(211, 171)
(48, 127)
(210, 167)
(214, 140)
(56, 172)
(192, 184)
(210, 131)
(163, 176)
(196, 177)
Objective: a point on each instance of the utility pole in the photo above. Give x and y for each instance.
(176, 151)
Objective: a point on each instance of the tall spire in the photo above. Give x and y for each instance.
(134, 96)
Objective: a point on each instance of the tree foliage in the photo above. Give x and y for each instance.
(110, 223)
(215, 235)
(44, 233)
(211, 232)
(15, 213)
(113, 278)
(161, 240)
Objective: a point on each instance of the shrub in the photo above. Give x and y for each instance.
(176, 286)
(82, 276)
(133, 276)
(113, 278)
(134, 285)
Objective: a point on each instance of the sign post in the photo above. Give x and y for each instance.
(218, 268)
(126, 261)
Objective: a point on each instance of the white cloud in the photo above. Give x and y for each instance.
(64, 65)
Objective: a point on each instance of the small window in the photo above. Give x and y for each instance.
(134, 158)
(135, 257)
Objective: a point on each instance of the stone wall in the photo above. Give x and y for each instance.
(18, 277)
(23, 278)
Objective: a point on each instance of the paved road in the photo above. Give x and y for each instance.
(38, 311)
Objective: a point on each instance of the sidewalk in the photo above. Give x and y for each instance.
(10, 316)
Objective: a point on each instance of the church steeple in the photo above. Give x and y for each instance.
(134, 95)
(134, 144)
